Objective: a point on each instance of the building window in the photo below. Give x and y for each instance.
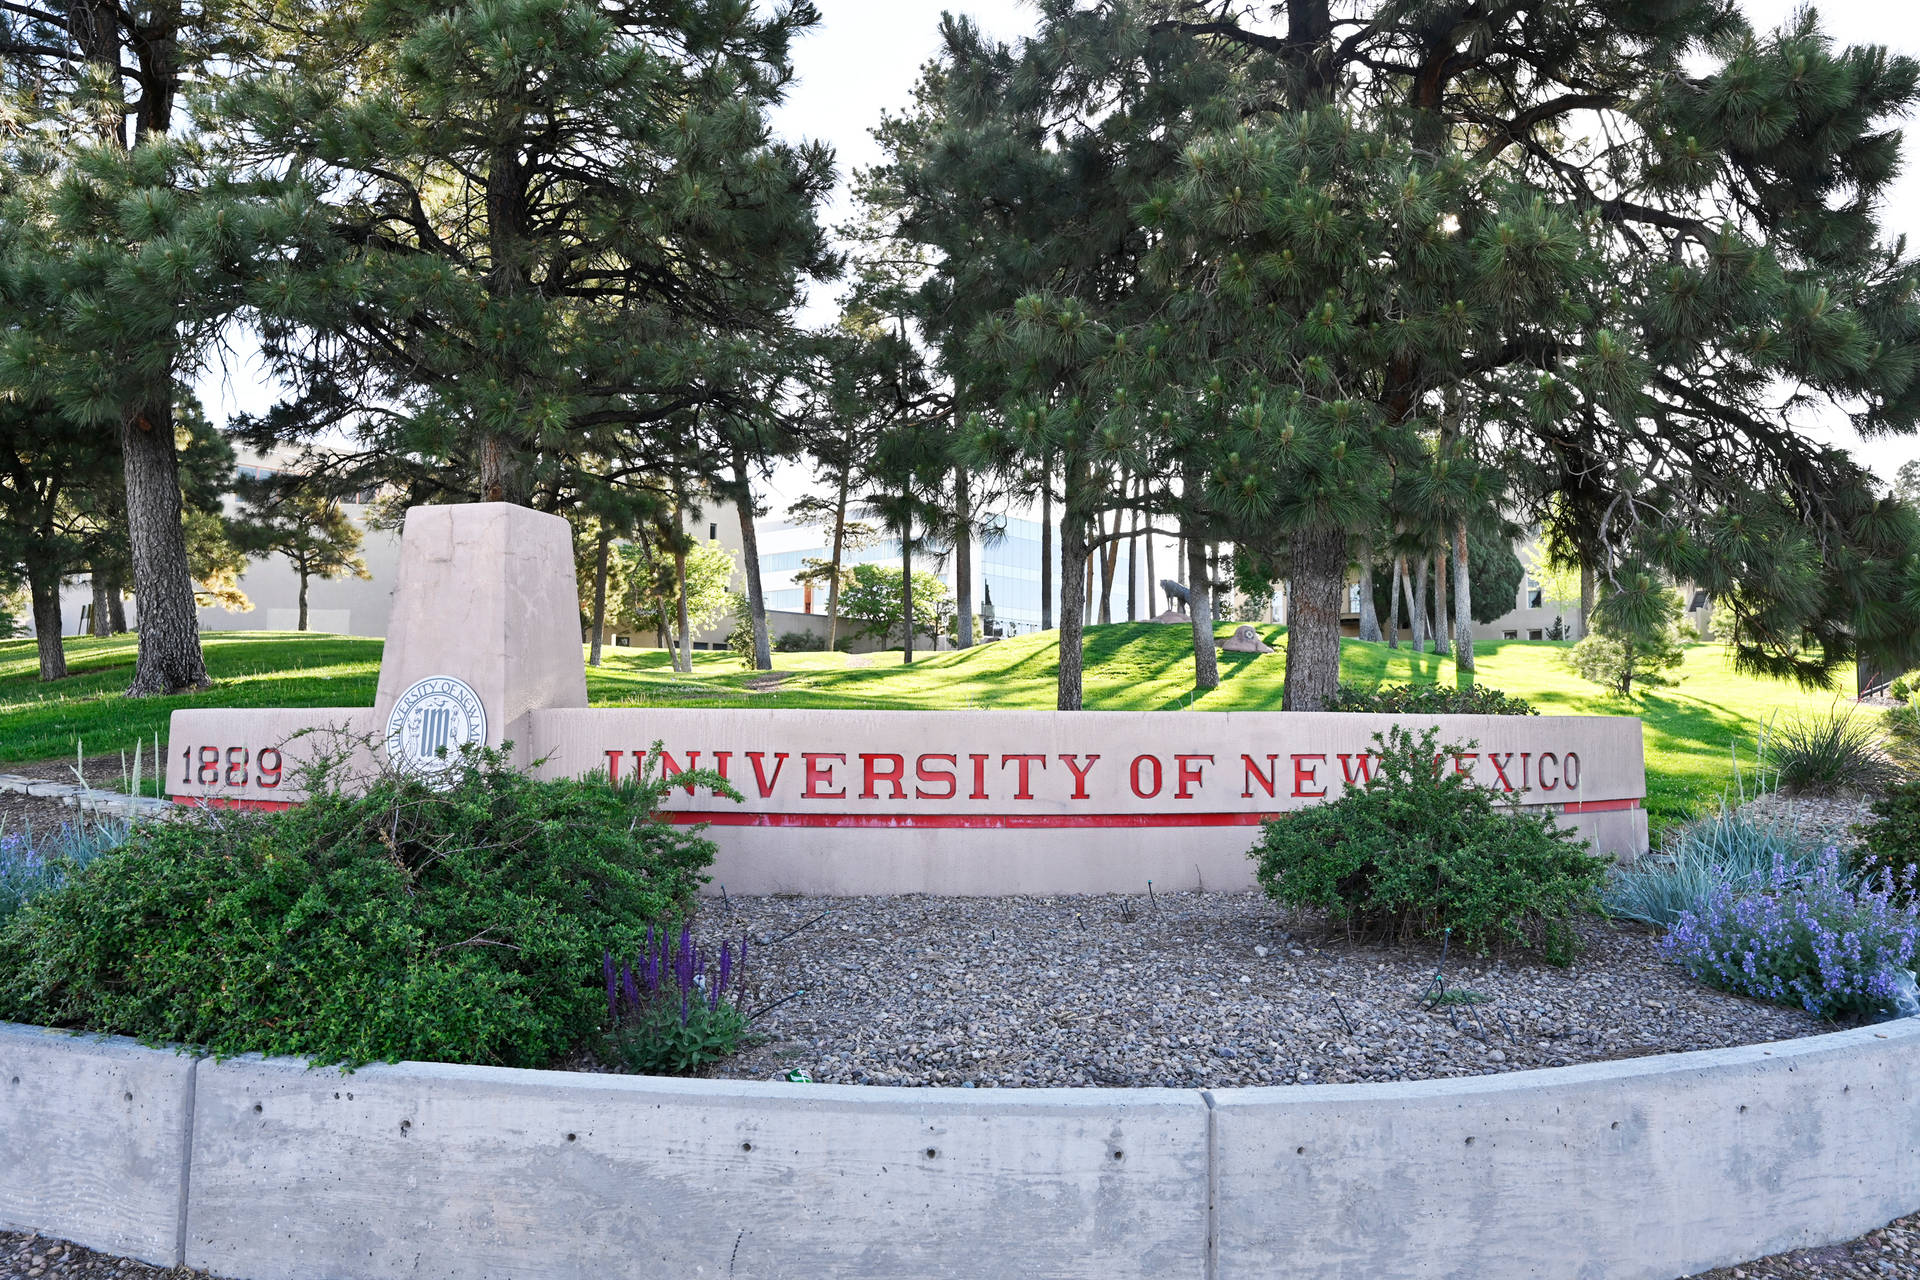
(1699, 600)
(713, 532)
(1533, 595)
(1509, 635)
(623, 642)
(1353, 597)
(1536, 634)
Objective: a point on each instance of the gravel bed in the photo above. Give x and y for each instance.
(34, 1257)
(1826, 819)
(1190, 990)
(1890, 1253)
(46, 813)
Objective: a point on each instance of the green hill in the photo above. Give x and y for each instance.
(1694, 730)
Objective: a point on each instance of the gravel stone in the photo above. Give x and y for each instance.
(25, 1256)
(1119, 991)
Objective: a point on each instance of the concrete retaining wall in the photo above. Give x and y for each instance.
(1653, 1167)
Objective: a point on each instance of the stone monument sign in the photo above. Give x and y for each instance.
(485, 647)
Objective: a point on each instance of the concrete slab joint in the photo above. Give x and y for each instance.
(1639, 1169)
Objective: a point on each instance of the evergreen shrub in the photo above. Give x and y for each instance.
(1892, 839)
(463, 922)
(800, 642)
(1422, 848)
(1429, 699)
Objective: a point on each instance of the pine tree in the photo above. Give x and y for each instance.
(306, 526)
(557, 230)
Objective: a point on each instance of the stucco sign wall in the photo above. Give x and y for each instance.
(883, 802)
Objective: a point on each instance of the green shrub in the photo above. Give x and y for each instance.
(464, 923)
(1900, 727)
(1421, 849)
(800, 642)
(33, 863)
(1429, 700)
(1892, 838)
(1825, 752)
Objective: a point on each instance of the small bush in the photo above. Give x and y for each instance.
(800, 642)
(1731, 847)
(1822, 941)
(1429, 700)
(460, 922)
(31, 864)
(1421, 849)
(1892, 839)
(1900, 730)
(674, 1009)
(1835, 750)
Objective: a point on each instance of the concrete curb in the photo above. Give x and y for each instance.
(1650, 1167)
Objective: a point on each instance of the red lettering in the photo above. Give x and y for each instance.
(613, 765)
(937, 775)
(1134, 777)
(1570, 771)
(1500, 764)
(873, 775)
(1304, 773)
(1079, 772)
(1186, 777)
(1526, 769)
(720, 759)
(237, 766)
(979, 777)
(819, 775)
(1362, 773)
(269, 774)
(1254, 775)
(1544, 784)
(668, 767)
(760, 777)
(1026, 791)
(1458, 767)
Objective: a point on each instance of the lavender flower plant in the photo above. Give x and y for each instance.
(1835, 945)
(31, 865)
(675, 1008)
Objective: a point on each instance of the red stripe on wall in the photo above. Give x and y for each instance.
(1598, 806)
(227, 802)
(966, 821)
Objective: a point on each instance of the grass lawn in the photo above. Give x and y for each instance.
(1692, 729)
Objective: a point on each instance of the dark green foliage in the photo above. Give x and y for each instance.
(1421, 849)
(799, 642)
(658, 1043)
(1430, 699)
(463, 924)
(1837, 750)
(1892, 838)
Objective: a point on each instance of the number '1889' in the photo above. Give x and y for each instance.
(230, 766)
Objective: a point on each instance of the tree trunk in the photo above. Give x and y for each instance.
(1206, 658)
(1416, 603)
(1046, 555)
(496, 470)
(906, 585)
(1588, 591)
(43, 581)
(683, 661)
(599, 593)
(1133, 563)
(1180, 559)
(169, 659)
(303, 599)
(98, 625)
(1440, 628)
(1313, 619)
(1462, 601)
(963, 554)
(750, 563)
(1369, 616)
(1393, 606)
(839, 542)
(116, 603)
(1109, 565)
(1152, 584)
(1073, 617)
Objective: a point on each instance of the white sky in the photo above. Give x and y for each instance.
(865, 55)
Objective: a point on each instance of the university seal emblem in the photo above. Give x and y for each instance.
(431, 721)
